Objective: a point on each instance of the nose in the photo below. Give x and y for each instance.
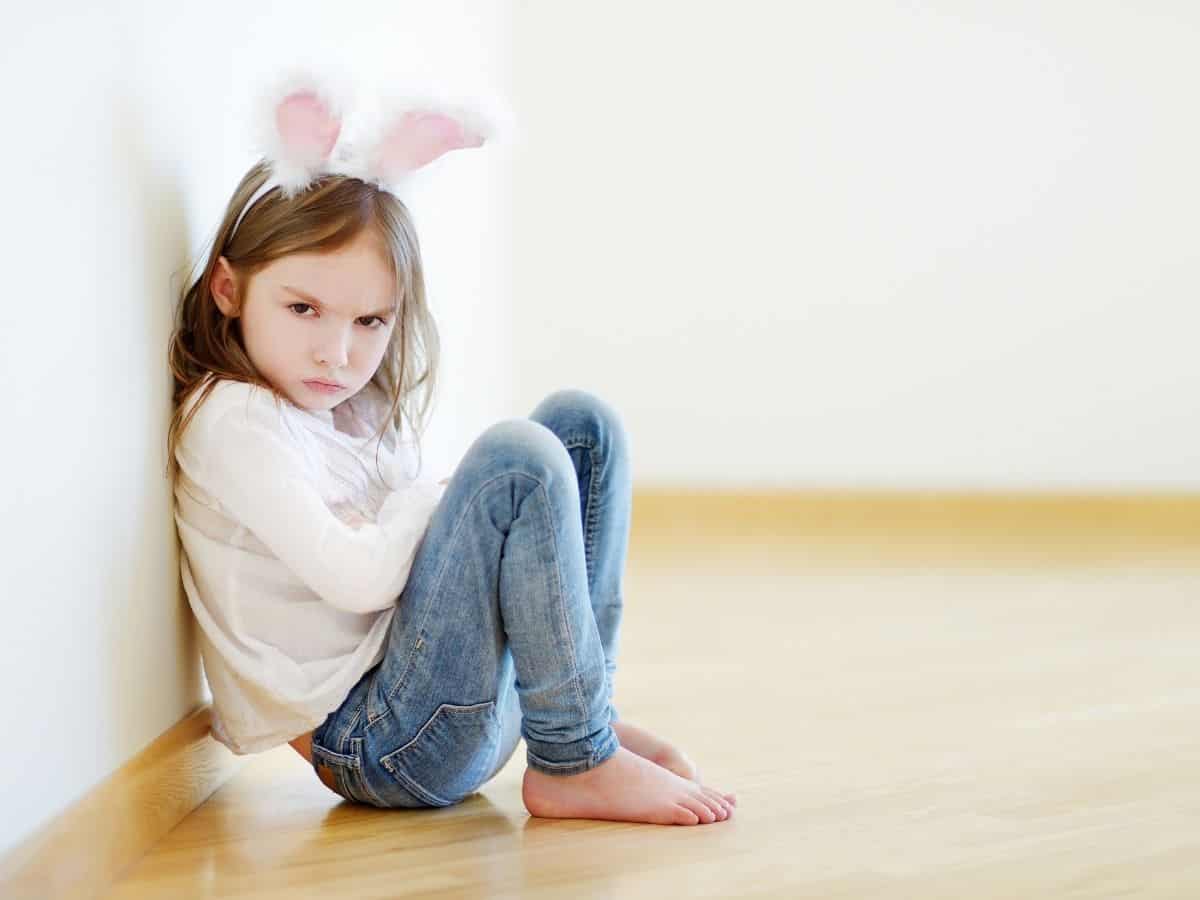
(333, 351)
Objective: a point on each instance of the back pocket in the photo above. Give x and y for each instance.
(451, 756)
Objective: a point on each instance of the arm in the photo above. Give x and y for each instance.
(252, 469)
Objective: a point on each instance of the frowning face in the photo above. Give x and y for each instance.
(315, 319)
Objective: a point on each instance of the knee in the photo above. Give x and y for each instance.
(523, 447)
(579, 416)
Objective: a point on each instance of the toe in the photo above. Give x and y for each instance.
(701, 809)
(711, 805)
(720, 802)
(684, 816)
(719, 807)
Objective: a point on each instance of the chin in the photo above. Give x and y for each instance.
(303, 398)
(323, 405)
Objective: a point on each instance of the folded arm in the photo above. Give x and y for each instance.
(252, 469)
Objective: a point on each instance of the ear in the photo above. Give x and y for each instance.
(224, 288)
(299, 119)
(415, 138)
(307, 128)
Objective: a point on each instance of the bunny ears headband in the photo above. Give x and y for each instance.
(300, 122)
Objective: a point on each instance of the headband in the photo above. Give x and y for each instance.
(299, 122)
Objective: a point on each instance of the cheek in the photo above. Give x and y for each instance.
(273, 336)
(373, 346)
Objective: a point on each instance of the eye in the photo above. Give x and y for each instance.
(381, 322)
(294, 305)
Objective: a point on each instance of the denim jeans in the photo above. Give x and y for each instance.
(507, 626)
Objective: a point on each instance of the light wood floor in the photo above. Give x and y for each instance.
(1007, 712)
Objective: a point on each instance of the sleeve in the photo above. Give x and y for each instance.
(249, 466)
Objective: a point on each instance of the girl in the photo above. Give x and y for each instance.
(401, 634)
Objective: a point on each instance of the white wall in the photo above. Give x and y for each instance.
(136, 104)
(867, 244)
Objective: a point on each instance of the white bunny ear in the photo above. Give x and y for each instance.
(298, 119)
(418, 127)
(416, 138)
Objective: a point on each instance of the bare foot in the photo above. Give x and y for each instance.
(624, 788)
(655, 749)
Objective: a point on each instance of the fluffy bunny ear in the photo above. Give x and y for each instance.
(299, 120)
(416, 138)
(417, 127)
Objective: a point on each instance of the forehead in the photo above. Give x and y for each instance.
(355, 277)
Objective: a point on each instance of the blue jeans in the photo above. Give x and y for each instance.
(507, 626)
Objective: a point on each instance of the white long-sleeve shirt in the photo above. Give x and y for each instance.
(293, 553)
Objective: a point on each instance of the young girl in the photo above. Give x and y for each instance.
(401, 633)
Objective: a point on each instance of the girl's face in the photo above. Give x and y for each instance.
(309, 318)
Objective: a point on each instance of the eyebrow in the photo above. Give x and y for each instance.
(308, 298)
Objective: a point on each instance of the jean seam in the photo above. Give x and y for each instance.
(410, 662)
(342, 770)
(357, 746)
(416, 789)
(368, 722)
(344, 737)
(590, 515)
(593, 513)
(562, 606)
(437, 582)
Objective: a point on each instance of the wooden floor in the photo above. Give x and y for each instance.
(936, 714)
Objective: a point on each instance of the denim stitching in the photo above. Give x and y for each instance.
(419, 792)
(593, 511)
(339, 764)
(449, 708)
(590, 514)
(557, 765)
(362, 777)
(330, 757)
(410, 663)
(344, 738)
(417, 789)
(591, 519)
(387, 710)
(562, 606)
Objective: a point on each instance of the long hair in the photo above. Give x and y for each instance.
(324, 218)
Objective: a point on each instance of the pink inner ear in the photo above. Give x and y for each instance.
(418, 138)
(306, 127)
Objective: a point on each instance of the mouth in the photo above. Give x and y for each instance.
(325, 387)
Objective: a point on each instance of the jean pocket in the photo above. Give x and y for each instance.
(451, 756)
(347, 771)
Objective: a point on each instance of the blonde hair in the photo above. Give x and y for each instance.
(330, 214)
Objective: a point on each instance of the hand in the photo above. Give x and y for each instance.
(355, 521)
